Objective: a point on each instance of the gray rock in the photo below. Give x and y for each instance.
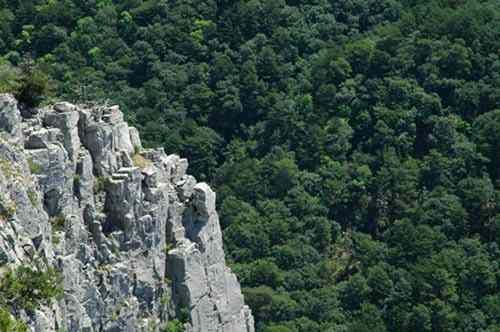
(185, 187)
(66, 120)
(10, 117)
(83, 180)
(121, 138)
(134, 246)
(64, 107)
(135, 139)
(98, 139)
(38, 140)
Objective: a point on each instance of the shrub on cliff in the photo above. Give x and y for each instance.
(34, 85)
(10, 324)
(9, 78)
(28, 83)
(26, 288)
(174, 326)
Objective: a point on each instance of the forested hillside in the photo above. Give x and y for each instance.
(354, 144)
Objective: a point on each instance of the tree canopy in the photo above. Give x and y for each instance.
(354, 144)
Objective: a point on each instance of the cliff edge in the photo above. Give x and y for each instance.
(137, 240)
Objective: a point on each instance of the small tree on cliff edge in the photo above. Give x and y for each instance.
(34, 84)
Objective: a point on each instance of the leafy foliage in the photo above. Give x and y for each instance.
(9, 78)
(34, 167)
(9, 324)
(26, 288)
(174, 326)
(33, 85)
(28, 83)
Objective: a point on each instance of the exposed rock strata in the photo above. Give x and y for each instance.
(136, 239)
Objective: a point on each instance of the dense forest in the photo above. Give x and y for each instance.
(354, 144)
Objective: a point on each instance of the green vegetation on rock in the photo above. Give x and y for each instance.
(34, 167)
(174, 326)
(8, 207)
(10, 324)
(100, 184)
(27, 82)
(25, 288)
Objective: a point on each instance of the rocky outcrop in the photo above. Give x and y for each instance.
(136, 239)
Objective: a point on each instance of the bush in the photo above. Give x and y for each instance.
(27, 83)
(33, 87)
(9, 78)
(174, 326)
(184, 315)
(8, 323)
(26, 288)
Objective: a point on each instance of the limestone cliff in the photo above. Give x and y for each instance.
(136, 239)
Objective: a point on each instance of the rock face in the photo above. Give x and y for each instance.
(136, 239)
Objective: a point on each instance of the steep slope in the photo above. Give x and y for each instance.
(136, 239)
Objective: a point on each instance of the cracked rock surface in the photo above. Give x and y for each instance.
(136, 239)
